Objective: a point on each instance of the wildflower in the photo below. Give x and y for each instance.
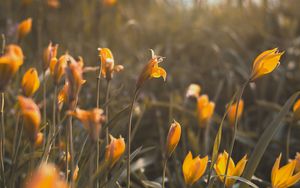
(265, 63)
(233, 170)
(31, 117)
(10, 63)
(173, 137)
(297, 159)
(232, 111)
(205, 110)
(193, 168)
(75, 174)
(109, 2)
(53, 3)
(114, 150)
(92, 120)
(296, 110)
(152, 70)
(24, 28)
(108, 66)
(39, 140)
(193, 91)
(49, 53)
(57, 67)
(30, 82)
(46, 176)
(62, 96)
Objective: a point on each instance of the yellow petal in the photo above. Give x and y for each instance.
(275, 171)
(293, 180)
(30, 82)
(237, 171)
(200, 167)
(187, 163)
(159, 72)
(284, 173)
(173, 137)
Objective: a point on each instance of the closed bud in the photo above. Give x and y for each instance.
(173, 138)
(24, 28)
(30, 82)
(114, 150)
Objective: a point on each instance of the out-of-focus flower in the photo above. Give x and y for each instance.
(30, 82)
(193, 168)
(62, 96)
(232, 111)
(151, 70)
(233, 170)
(114, 150)
(31, 117)
(46, 176)
(53, 3)
(75, 174)
(296, 110)
(283, 177)
(24, 28)
(57, 67)
(49, 53)
(108, 66)
(173, 138)
(39, 140)
(205, 110)
(297, 159)
(193, 91)
(109, 2)
(265, 63)
(10, 63)
(92, 120)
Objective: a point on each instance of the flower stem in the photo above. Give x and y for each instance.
(44, 106)
(164, 173)
(288, 138)
(2, 146)
(106, 109)
(98, 105)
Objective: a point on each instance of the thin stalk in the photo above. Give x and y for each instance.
(164, 173)
(98, 105)
(2, 150)
(288, 138)
(71, 150)
(16, 134)
(31, 165)
(44, 106)
(106, 109)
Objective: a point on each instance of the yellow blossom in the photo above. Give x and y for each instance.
(205, 110)
(24, 28)
(114, 150)
(173, 137)
(232, 111)
(30, 82)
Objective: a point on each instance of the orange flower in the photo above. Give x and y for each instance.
(57, 67)
(296, 110)
(10, 63)
(53, 3)
(173, 137)
(30, 82)
(232, 111)
(46, 176)
(152, 70)
(193, 91)
(114, 150)
(24, 28)
(49, 53)
(108, 66)
(193, 168)
(205, 110)
(265, 63)
(31, 117)
(62, 96)
(109, 2)
(39, 140)
(92, 120)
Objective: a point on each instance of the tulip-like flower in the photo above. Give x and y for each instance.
(92, 121)
(108, 66)
(30, 82)
(233, 170)
(31, 117)
(193, 168)
(62, 96)
(265, 63)
(46, 176)
(173, 138)
(10, 63)
(24, 28)
(232, 111)
(205, 110)
(296, 110)
(193, 91)
(151, 70)
(114, 150)
(283, 177)
(57, 67)
(49, 53)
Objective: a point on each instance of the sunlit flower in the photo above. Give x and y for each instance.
(31, 117)
(109, 2)
(39, 140)
(232, 111)
(152, 70)
(265, 63)
(193, 168)
(24, 28)
(53, 3)
(114, 150)
(30, 82)
(193, 91)
(233, 170)
(10, 63)
(46, 176)
(173, 137)
(296, 110)
(49, 53)
(57, 67)
(92, 120)
(205, 110)
(62, 96)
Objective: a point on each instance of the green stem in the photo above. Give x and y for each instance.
(106, 110)
(164, 173)
(2, 145)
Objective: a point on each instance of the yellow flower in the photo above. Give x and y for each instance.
(62, 96)
(152, 70)
(57, 67)
(193, 168)
(10, 63)
(193, 91)
(233, 170)
(205, 110)
(30, 82)
(114, 150)
(31, 117)
(49, 53)
(24, 28)
(265, 63)
(173, 137)
(232, 111)
(283, 177)
(296, 110)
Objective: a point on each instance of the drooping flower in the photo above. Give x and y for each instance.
(114, 150)
(232, 111)
(205, 110)
(193, 91)
(30, 82)
(57, 67)
(151, 70)
(296, 110)
(24, 28)
(233, 170)
(49, 53)
(193, 168)
(173, 138)
(265, 63)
